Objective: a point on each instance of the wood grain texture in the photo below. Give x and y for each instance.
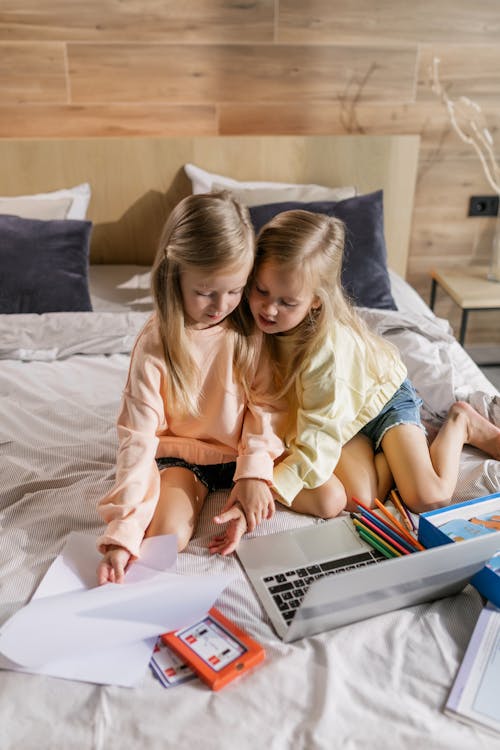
(388, 21)
(441, 228)
(204, 74)
(473, 71)
(32, 73)
(73, 121)
(348, 115)
(138, 20)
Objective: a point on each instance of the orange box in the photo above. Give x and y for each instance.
(215, 648)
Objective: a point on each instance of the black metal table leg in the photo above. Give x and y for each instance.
(463, 326)
(433, 293)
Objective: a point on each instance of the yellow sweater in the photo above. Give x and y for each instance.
(336, 397)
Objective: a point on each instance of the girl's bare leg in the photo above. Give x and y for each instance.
(385, 480)
(181, 498)
(365, 475)
(481, 433)
(326, 501)
(426, 476)
(359, 473)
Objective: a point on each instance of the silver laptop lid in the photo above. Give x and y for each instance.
(392, 584)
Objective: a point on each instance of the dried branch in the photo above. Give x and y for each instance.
(349, 102)
(467, 121)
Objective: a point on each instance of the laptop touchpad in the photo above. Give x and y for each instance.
(328, 540)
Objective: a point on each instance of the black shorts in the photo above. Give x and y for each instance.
(213, 476)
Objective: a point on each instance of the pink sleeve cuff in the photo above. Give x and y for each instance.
(123, 533)
(255, 466)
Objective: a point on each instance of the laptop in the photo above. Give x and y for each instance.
(320, 577)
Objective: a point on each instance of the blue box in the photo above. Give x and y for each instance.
(463, 521)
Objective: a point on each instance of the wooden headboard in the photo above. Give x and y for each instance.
(136, 181)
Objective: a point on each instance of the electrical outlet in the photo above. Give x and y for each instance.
(483, 205)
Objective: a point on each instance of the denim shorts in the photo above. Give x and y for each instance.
(213, 476)
(402, 408)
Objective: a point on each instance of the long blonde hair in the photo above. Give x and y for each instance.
(312, 245)
(208, 232)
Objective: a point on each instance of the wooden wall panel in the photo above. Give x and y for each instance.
(442, 231)
(33, 73)
(387, 21)
(37, 121)
(347, 114)
(111, 20)
(144, 67)
(200, 74)
(473, 71)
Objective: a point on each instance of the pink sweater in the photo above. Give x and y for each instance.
(228, 429)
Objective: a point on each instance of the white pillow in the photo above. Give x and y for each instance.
(258, 193)
(295, 193)
(79, 197)
(44, 209)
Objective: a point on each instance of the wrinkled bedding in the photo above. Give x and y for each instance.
(53, 336)
(369, 684)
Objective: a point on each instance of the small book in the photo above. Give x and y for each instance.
(474, 695)
(168, 667)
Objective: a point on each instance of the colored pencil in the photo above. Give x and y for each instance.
(376, 544)
(361, 526)
(407, 511)
(402, 510)
(388, 529)
(383, 534)
(392, 519)
(405, 538)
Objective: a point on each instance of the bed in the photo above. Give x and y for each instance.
(375, 682)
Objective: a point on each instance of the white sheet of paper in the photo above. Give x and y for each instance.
(103, 634)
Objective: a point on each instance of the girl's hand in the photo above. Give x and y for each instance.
(227, 542)
(113, 565)
(255, 498)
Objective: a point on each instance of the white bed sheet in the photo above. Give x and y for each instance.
(377, 682)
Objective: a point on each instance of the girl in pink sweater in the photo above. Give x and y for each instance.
(186, 426)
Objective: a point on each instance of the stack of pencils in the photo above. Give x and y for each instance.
(384, 531)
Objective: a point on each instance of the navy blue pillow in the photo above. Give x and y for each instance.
(44, 265)
(364, 269)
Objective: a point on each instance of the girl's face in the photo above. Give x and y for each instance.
(279, 300)
(208, 298)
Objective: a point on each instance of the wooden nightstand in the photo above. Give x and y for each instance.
(469, 288)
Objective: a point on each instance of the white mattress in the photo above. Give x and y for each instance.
(375, 683)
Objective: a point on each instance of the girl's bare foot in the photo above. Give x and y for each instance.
(480, 433)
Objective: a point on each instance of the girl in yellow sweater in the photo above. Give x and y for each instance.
(354, 418)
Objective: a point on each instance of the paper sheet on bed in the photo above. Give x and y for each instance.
(104, 634)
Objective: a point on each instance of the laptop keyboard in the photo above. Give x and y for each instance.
(289, 588)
